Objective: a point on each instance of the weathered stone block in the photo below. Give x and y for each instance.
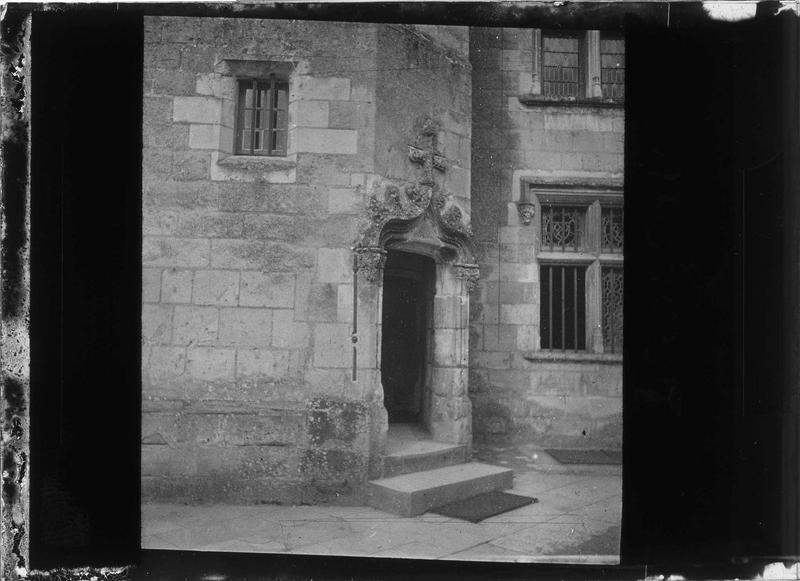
(262, 363)
(196, 110)
(450, 312)
(344, 201)
(323, 88)
(210, 363)
(287, 333)
(245, 327)
(255, 254)
(335, 422)
(490, 360)
(204, 136)
(335, 265)
(151, 285)
(499, 337)
(332, 346)
(172, 82)
(311, 113)
(166, 364)
(518, 314)
(344, 304)
(190, 165)
(449, 381)
(176, 286)
(195, 325)
(186, 252)
(156, 323)
(527, 337)
(312, 140)
(450, 347)
(322, 302)
(276, 227)
(215, 287)
(259, 289)
(519, 272)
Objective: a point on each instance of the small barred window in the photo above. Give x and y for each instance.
(263, 120)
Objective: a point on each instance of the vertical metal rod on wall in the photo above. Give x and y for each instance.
(254, 115)
(575, 304)
(354, 337)
(563, 314)
(550, 310)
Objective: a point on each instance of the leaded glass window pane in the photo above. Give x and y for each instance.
(612, 67)
(562, 65)
(612, 229)
(612, 300)
(563, 228)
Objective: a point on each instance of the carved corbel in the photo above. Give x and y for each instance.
(526, 211)
(469, 273)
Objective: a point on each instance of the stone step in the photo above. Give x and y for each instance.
(422, 455)
(415, 493)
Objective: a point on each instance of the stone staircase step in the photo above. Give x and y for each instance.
(415, 493)
(423, 455)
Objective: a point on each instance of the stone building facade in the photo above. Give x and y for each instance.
(397, 153)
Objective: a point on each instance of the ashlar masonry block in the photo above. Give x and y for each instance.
(451, 347)
(166, 363)
(517, 314)
(176, 286)
(315, 140)
(210, 363)
(216, 287)
(288, 333)
(195, 325)
(186, 252)
(262, 363)
(323, 88)
(258, 289)
(311, 113)
(196, 110)
(332, 346)
(335, 265)
(245, 327)
(343, 201)
(156, 323)
(151, 285)
(204, 136)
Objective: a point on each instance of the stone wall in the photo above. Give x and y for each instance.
(571, 402)
(247, 262)
(247, 268)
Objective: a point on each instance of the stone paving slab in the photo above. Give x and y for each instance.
(577, 517)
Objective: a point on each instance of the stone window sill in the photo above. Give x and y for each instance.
(259, 162)
(572, 356)
(532, 99)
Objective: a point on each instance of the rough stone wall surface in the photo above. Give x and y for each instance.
(420, 77)
(247, 271)
(560, 403)
(247, 263)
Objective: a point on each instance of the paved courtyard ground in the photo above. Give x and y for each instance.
(577, 520)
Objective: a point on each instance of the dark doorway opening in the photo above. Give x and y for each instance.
(408, 288)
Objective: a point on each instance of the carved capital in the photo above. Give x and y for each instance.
(470, 273)
(526, 211)
(369, 262)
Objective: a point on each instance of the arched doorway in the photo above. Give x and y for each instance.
(407, 323)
